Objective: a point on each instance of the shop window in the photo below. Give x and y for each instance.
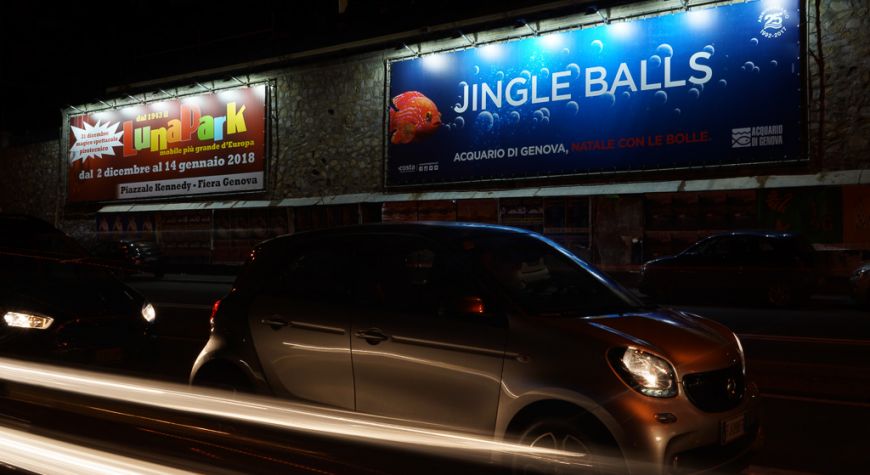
(399, 211)
(525, 213)
(370, 212)
(674, 221)
(566, 221)
(237, 231)
(436, 210)
(186, 237)
(129, 226)
(477, 211)
(713, 210)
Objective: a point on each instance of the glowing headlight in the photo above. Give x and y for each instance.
(27, 320)
(148, 313)
(646, 373)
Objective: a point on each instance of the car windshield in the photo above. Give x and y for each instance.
(543, 280)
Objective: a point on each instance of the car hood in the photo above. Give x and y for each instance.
(690, 342)
(68, 290)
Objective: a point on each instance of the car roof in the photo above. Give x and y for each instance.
(436, 230)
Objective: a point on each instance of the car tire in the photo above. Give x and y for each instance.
(567, 434)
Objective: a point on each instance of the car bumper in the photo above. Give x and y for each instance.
(692, 443)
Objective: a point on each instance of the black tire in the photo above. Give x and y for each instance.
(568, 434)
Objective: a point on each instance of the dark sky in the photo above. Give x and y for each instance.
(56, 54)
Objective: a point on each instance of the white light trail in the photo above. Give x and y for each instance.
(44, 455)
(272, 412)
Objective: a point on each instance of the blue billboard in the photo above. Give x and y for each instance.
(712, 86)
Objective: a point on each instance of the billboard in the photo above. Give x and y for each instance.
(712, 86)
(203, 144)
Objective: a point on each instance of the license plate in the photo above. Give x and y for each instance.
(733, 428)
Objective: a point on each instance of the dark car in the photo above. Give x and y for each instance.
(778, 268)
(130, 257)
(57, 304)
(486, 329)
(859, 284)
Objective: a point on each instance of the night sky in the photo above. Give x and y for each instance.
(59, 54)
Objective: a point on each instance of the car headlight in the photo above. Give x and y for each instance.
(148, 313)
(648, 374)
(27, 320)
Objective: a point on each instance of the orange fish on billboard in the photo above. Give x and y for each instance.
(413, 117)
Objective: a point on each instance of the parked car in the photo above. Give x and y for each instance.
(130, 257)
(486, 329)
(778, 268)
(57, 304)
(859, 283)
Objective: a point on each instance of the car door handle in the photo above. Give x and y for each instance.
(373, 336)
(275, 323)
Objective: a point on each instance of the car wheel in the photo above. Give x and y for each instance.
(780, 294)
(566, 435)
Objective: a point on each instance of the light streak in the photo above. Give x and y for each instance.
(271, 412)
(40, 454)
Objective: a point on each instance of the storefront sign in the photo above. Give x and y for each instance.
(710, 86)
(211, 143)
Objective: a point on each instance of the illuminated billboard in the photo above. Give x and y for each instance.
(203, 144)
(705, 87)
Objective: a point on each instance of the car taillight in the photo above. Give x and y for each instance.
(214, 310)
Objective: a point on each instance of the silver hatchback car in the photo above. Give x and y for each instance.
(485, 329)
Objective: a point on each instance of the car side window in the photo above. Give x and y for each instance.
(704, 248)
(395, 272)
(313, 273)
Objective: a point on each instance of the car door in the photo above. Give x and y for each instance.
(417, 354)
(300, 323)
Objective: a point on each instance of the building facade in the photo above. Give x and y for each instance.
(329, 150)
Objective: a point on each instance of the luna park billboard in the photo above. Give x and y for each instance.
(706, 87)
(202, 144)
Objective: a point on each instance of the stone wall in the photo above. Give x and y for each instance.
(328, 121)
(845, 53)
(31, 181)
(330, 128)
